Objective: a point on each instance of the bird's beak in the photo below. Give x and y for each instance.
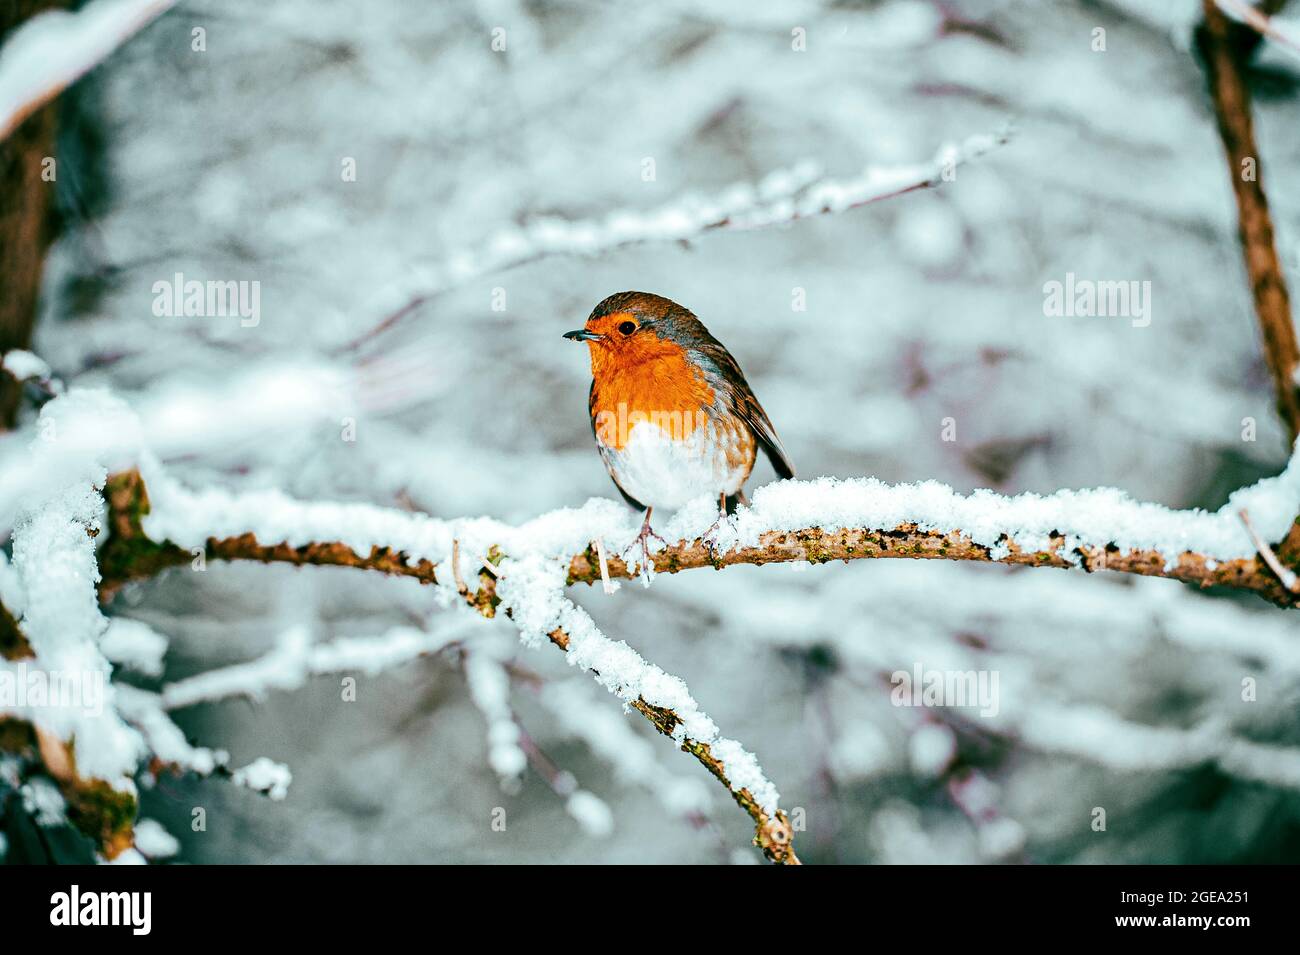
(582, 335)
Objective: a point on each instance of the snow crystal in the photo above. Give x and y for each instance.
(43, 802)
(155, 841)
(931, 748)
(23, 365)
(593, 815)
(265, 776)
(1097, 518)
(11, 587)
(80, 438)
(134, 645)
(54, 502)
(1001, 837)
(127, 857)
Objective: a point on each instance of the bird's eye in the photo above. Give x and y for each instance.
(627, 328)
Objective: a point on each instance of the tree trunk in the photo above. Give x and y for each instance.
(26, 227)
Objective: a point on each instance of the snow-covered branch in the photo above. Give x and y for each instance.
(54, 49)
(814, 521)
(531, 594)
(781, 198)
(521, 571)
(532, 597)
(295, 659)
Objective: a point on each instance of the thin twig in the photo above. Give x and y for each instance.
(461, 587)
(1287, 576)
(605, 582)
(1260, 21)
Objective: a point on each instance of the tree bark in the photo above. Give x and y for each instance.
(1225, 48)
(26, 224)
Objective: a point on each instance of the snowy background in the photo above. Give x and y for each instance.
(229, 164)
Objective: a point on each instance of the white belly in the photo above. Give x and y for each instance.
(661, 472)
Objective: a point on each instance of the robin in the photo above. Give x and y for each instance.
(672, 414)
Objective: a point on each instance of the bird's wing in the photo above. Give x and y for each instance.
(735, 393)
(752, 413)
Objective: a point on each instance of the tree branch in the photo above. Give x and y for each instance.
(907, 541)
(422, 546)
(1260, 19)
(772, 833)
(129, 554)
(783, 197)
(1225, 70)
(52, 51)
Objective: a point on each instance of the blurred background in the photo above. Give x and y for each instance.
(367, 166)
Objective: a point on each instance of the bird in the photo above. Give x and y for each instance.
(672, 414)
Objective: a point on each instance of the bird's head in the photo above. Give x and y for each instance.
(633, 327)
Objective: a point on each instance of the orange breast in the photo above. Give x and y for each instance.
(663, 388)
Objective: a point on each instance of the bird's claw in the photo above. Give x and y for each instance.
(710, 539)
(647, 565)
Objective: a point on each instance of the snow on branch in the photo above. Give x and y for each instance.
(531, 593)
(1101, 529)
(85, 744)
(522, 571)
(782, 197)
(815, 521)
(296, 658)
(170, 751)
(54, 49)
(532, 596)
(92, 735)
(633, 758)
(1095, 734)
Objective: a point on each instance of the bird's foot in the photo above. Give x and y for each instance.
(647, 570)
(710, 537)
